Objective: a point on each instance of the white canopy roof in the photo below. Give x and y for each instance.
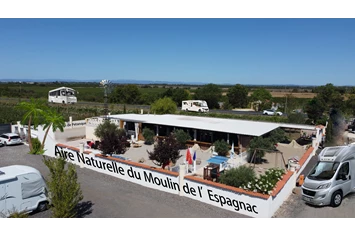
(235, 126)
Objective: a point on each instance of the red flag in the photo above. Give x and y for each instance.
(188, 157)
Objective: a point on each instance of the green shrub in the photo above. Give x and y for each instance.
(36, 147)
(266, 183)
(18, 215)
(148, 135)
(221, 147)
(105, 128)
(238, 177)
(63, 186)
(182, 137)
(14, 214)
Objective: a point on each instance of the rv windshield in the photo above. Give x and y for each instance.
(323, 170)
(204, 104)
(70, 93)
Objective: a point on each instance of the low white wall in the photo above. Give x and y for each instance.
(131, 173)
(226, 199)
(283, 195)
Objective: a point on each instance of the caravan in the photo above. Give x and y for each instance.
(332, 177)
(22, 189)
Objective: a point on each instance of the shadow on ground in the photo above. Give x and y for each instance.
(84, 209)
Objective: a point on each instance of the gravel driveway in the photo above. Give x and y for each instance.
(110, 197)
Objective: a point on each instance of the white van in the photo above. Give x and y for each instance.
(332, 177)
(22, 189)
(62, 95)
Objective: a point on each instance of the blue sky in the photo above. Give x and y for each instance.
(245, 51)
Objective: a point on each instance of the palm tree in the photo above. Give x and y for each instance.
(34, 112)
(52, 118)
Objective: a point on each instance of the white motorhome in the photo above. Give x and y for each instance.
(22, 189)
(332, 177)
(194, 105)
(62, 95)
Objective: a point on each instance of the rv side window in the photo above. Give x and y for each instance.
(344, 170)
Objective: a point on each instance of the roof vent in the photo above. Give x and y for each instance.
(331, 151)
(1, 173)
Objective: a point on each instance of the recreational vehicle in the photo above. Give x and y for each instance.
(62, 95)
(22, 189)
(195, 105)
(332, 177)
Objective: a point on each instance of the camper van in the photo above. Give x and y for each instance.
(22, 189)
(332, 178)
(194, 105)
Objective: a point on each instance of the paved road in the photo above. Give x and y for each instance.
(294, 207)
(106, 196)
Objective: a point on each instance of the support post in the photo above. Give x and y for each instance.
(181, 179)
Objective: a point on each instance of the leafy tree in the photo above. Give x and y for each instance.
(127, 94)
(179, 95)
(315, 108)
(182, 137)
(238, 177)
(296, 118)
(329, 132)
(113, 143)
(106, 127)
(33, 115)
(260, 94)
(164, 106)
(350, 104)
(255, 143)
(330, 95)
(211, 93)
(130, 94)
(221, 147)
(165, 151)
(277, 135)
(227, 106)
(64, 188)
(238, 96)
(148, 98)
(148, 135)
(54, 120)
(115, 96)
(168, 93)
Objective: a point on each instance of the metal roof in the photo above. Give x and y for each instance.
(233, 126)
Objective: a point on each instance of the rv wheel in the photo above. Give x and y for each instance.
(337, 198)
(42, 206)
